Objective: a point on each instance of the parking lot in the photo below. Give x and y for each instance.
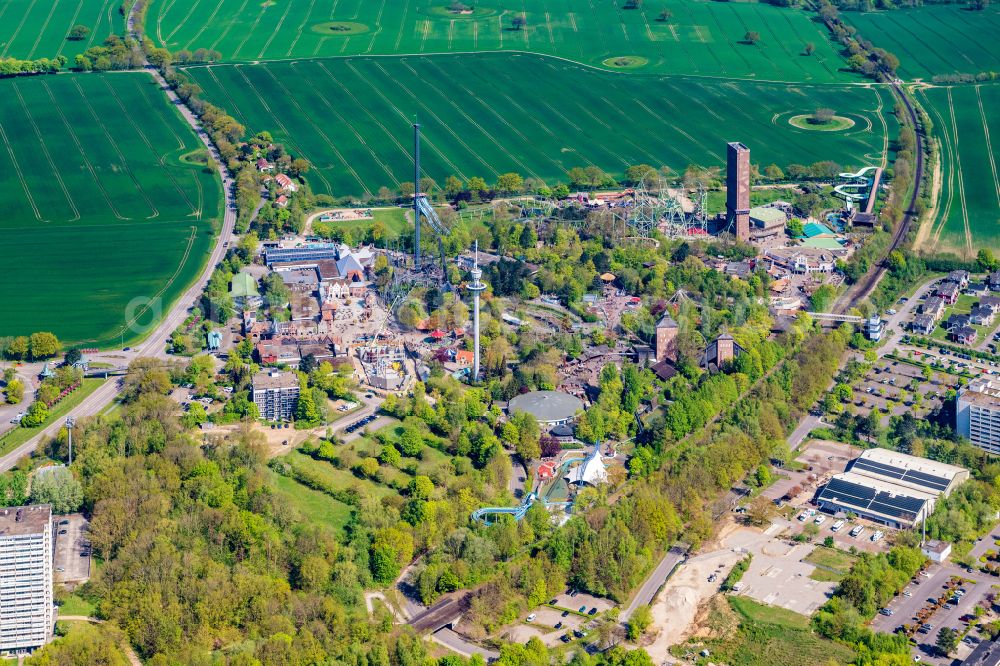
(72, 549)
(922, 592)
(566, 617)
(901, 384)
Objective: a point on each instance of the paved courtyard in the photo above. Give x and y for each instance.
(778, 576)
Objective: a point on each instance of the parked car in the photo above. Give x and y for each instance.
(592, 611)
(583, 609)
(558, 625)
(565, 613)
(530, 618)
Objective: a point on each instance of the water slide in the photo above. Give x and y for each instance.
(484, 514)
(860, 184)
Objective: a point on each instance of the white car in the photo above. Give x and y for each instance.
(530, 618)
(820, 520)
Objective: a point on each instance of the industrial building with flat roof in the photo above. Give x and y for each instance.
(26, 611)
(890, 488)
(977, 414)
(549, 408)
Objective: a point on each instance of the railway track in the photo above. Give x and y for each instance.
(863, 288)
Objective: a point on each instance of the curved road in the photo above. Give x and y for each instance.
(155, 342)
(863, 288)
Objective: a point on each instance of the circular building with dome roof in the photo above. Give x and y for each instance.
(550, 408)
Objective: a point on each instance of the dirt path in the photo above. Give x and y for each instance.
(675, 609)
(130, 654)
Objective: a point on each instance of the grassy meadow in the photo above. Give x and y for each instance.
(98, 209)
(934, 39)
(700, 37)
(966, 121)
(37, 29)
(482, 116)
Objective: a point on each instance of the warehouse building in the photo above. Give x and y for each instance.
(890, 488)
(26, 611)
(977, 414)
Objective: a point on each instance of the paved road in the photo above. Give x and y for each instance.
(652, 584)
(155, 342)
(456, 643)
(518, 477)
(809, 423)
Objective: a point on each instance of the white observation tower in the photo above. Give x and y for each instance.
(476, 286)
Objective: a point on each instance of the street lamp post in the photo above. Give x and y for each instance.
(70, 422)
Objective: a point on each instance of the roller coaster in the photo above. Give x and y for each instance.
(436, 224)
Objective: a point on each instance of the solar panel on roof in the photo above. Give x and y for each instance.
(856, 495)
(910, 476)
(929, 480)
(879, 468)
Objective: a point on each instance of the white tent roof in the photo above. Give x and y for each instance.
(591, 470)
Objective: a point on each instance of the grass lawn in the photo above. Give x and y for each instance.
(758, 197)
(934, 39)
(394, 220)
(92, 185)
(968, 211)
(482, 115)
(338, 478)
(766, 635)
(962, 306)
(20, 435)
(73, 604)
(314, 505)
(832, 564)
(702, 38)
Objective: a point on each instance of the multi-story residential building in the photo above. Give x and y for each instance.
(26, 610)
(977, 414)
(276, 394)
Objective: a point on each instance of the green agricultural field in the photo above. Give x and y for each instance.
(37, 29)
(484, 115)
(99, 213)
(934, 39)
(967, 217)
(701, 37)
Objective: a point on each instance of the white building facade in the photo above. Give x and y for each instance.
(977, 414)
(26, 611)
(276, 394)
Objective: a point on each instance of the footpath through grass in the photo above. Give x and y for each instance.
(20, 434)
